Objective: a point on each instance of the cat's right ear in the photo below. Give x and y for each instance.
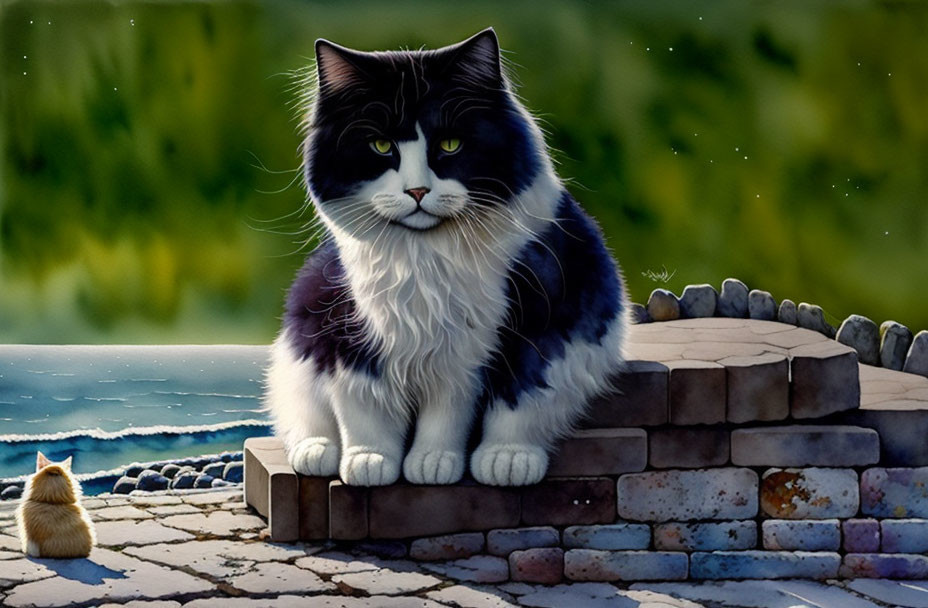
(338, 67)
(41, 461)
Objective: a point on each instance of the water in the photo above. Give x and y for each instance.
(109, 406)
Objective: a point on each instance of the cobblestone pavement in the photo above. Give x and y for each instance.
(208, 549)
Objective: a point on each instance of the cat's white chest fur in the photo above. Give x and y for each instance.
(432, 314)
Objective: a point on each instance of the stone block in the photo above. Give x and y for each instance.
(813, 317)
(761, 305)
(824, 380)
(758, 387)
(697, 392)
(405, 511)
(916, 361)
(861, 535)
(348, 511)
(813, 493)
(447, 547)
(884, 565)
(805, 445)
(787, 313)
(895, 492)
(542, 566)
(314, 507)
(560, 502)
(904, 535)
(663, 305)
(705, 536)
(719, 565)
(688, 447)
(861, 334)
(504, 542)
(641, 400)
(611, 537)
(594, 565)
(272, 487)
(698, 301)
(608, 451)
(733, 300)
(894, 345)
(801, 535)
(724, 493)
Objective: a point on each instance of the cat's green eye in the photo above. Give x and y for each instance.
(450, 146)
(381, 146)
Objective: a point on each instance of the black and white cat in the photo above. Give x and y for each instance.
(458, 283)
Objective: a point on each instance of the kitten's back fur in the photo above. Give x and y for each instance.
(51, 521)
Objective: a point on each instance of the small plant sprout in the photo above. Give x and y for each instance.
(659, 277)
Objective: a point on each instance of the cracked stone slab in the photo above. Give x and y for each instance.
(761, 594)
(178, 509)
(144, 532)
(473, 597)
(335, 563)
(599, 595)
(105, 574)
(909, 594)
(279, 578)
(217, 523)
(477, 569)
(316, 601)
(119, 512)
(22, 570)
(154, 500)
(217, 558)
(213, 497)
(144, 604)
(386, 582)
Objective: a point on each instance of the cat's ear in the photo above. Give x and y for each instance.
(67, 463)
(478, 58)
(41, 461)
(338, 67)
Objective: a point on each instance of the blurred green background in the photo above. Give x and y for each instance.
(148, 151)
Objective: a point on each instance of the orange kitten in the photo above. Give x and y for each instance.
(51, 521)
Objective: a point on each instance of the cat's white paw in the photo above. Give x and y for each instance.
(509, 464)
(433, 466)
(362, 467)
(317, 456)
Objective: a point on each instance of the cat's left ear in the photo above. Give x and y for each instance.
(67, 463)
(478, 58)
(41, 461)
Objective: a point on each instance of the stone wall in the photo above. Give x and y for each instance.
(737, 448)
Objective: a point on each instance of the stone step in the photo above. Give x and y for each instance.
(895, 404)
(714, 370)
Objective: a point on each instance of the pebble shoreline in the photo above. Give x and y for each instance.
(196, 472)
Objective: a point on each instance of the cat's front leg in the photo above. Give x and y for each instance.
(437, 455)
(373, 429)
(299, 399)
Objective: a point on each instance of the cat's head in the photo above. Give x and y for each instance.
(52, 482)
(414, 141)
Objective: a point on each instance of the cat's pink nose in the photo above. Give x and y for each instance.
(418, 193)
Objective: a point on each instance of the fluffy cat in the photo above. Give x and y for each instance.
(52, 523)
(458, 285)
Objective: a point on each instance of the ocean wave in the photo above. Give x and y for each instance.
(100, 434)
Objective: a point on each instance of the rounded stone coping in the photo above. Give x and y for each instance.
(891, 345)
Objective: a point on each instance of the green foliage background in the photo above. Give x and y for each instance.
(148, 150)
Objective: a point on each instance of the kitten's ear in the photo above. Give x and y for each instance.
(41, 461)
(67, 463)
(478, 58)
(338, 67)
